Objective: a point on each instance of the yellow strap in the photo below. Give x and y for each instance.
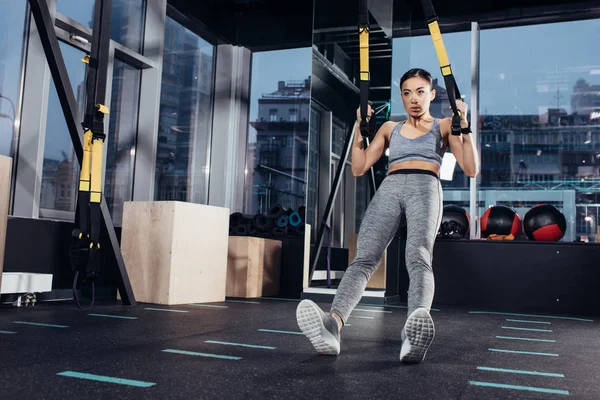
(102, 108)
(364, 54)
(84, 175)
(96, 172)
(438, 43)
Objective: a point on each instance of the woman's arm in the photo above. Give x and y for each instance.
(463, 147)
(363, 159)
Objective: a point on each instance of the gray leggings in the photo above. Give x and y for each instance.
(416, 195)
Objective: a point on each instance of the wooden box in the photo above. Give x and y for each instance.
(377, 281)
(175, 252)
(5, 179)
(253, 267)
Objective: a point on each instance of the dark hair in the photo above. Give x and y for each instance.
(417, 72)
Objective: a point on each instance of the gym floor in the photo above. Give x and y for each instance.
(252, 349)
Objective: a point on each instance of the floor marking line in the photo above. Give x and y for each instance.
(252, 346)
(519, 371)
(7, 332)
(40, 324)
(277, 331)
(515, 387)
(373, 311)
(208, 305)
(164, 309)
(529, 322)
(243, 301)
(193, 353)
(533, 353)
(526, 329)
(390, 306)
(529, 339)
(108, 379)
(531, 315)
(111, 316)
(361, 316)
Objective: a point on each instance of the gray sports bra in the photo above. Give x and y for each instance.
(428, 147)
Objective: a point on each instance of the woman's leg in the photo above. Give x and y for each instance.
(377, 229)
(423, 208)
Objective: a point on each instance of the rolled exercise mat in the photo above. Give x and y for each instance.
(300, 230)
(241, 230)
(302, 213)
(290, 230)
(238, 218)
(295, 219)
(276, 211)
(278, 231)
(282, 221)
(262, 222)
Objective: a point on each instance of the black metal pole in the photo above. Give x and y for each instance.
(56, 63)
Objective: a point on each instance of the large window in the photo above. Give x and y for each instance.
(278, 139)
(60, 171)
(120, 152)
(127, 20)
(185, 117)
(12, 20)
(540, 103)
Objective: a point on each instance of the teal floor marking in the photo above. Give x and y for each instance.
(39, 324)
(7, 332)
(533, 353)
(529, 322)
(193, 353)
(529, 339)
(276, 331)
(531, 315)
(111, 316)
(518, 371)
(108, 379)
(361, 316)
(389, 306)
(252, 346)
(526, 329)
(208, 305)
(164, 309)
(373, 311)
(515, 387)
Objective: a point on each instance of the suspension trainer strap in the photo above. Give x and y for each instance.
(451, 86)
(367, 127)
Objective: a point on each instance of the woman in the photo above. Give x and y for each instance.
(411, 190)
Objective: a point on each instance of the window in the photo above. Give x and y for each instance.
(293, 114)
(544, 106)
(126, 24)
(185, 115)
(120, 148)
(280, 82)
(61, 168)
(12, 20)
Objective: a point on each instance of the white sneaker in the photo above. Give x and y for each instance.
(320, 328)
(417, 335)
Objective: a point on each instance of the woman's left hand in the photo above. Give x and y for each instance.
(462, 108)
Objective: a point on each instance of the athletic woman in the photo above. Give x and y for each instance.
(411, 190)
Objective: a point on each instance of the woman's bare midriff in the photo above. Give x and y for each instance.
(415, 164)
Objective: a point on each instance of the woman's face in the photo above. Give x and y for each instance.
(416, 95)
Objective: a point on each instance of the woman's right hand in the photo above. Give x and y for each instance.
(369, 113)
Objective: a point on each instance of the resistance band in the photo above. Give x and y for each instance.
(85, 256)
(451, 86)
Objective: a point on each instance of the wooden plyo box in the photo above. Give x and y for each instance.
(253, 267)
(175, 252)
(5, 178)
(377, 281)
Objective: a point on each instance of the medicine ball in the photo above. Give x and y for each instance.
(455, 222)
(500, 220)
(544, 222)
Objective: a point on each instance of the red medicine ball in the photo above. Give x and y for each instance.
(544, 222)
(500, 220)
